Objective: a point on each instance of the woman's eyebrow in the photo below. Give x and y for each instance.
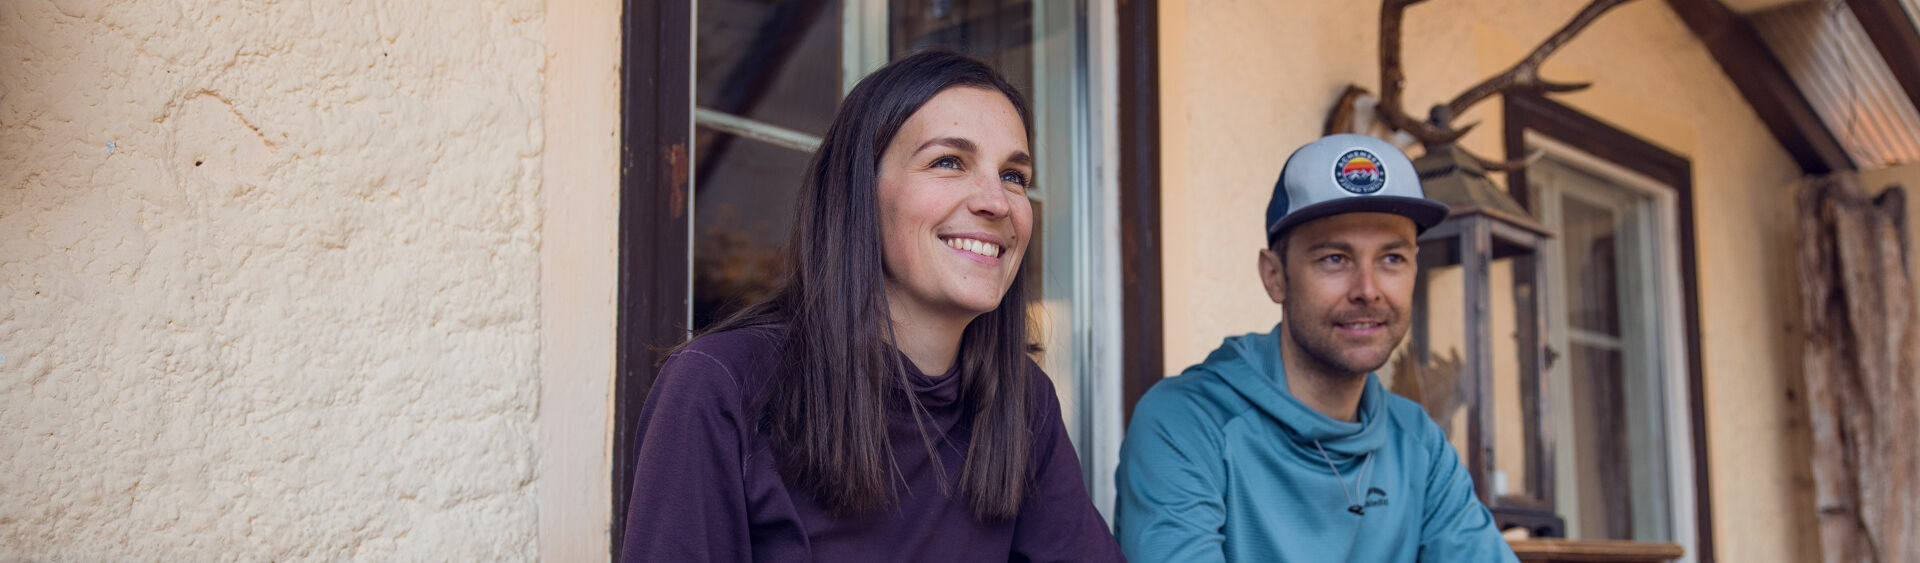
(956, 142)
(964, 145)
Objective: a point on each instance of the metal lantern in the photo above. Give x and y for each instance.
(1490, 356)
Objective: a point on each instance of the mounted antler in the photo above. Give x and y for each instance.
(1524, 76)
(1392, 79)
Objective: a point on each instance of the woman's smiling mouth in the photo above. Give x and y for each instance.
(974, 246)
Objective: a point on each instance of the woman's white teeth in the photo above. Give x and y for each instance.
(980, 247)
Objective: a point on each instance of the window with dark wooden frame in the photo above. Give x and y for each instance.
(1626, 330)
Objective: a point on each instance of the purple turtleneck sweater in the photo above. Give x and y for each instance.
(705, 487)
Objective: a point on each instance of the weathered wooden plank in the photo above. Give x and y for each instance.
(1859, 364)
(1558, 550)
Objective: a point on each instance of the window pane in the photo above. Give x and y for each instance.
(1593, 303)
(774, 61)
(742, 214)
(1600, 450)
(999, 32)
(1613, 377)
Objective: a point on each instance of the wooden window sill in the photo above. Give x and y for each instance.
(1611, 551)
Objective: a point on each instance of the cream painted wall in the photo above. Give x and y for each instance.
(579, 263)
(1244, 83)
(270, 279)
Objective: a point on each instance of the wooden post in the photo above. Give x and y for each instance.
(1860, 365)
(1476, 255)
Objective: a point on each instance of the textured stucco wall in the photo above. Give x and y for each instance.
(269, 279)
(1244, 82)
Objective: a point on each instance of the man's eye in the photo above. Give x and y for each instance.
(1334, 258)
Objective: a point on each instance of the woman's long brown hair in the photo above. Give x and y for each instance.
(825, 413)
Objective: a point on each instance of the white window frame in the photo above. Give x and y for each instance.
(1660, 221)
(1098, 291)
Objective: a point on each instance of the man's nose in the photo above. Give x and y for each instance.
(1366, 287)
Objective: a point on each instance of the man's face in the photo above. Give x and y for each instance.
(1345, 286)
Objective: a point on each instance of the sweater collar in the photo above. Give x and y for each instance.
(933, 391)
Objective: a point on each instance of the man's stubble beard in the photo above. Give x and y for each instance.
(1324, 355)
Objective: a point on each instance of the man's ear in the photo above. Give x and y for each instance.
(1273, 275)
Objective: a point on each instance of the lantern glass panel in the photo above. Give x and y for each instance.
(1430, 366)
(1475, 349)
(1517, 432)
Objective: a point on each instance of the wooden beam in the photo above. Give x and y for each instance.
(1894, 34)
(656, 90)
(1764, 82)
(1142, 362)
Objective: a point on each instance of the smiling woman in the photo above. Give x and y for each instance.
(881, 404)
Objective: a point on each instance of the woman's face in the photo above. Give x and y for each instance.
(954, 217)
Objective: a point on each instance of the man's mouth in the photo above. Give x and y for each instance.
(973, 245)
(1360, 326)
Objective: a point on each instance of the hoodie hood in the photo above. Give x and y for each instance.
(1250, 364)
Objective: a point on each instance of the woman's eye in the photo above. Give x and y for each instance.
(1015, 177)
(947, 162)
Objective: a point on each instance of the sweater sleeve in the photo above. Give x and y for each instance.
(1172, 479)
(1057, 521)
(1454, 525)
(689, 501)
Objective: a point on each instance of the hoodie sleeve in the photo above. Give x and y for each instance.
(1171, 481)
(689, 500)
(1454, 525)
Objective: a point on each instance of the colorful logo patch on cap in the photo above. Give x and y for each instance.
(1359, 172)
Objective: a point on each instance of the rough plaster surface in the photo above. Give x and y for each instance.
(1243, 82)
(269, 279)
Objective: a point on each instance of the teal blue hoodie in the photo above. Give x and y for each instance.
(1220, 463)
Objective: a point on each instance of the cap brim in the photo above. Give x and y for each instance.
(1425, 213)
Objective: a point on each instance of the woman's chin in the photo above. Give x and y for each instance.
(974, 306)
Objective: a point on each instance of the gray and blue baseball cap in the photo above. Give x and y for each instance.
(1349, 174)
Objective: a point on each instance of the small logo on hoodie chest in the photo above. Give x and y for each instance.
(1375, 497)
